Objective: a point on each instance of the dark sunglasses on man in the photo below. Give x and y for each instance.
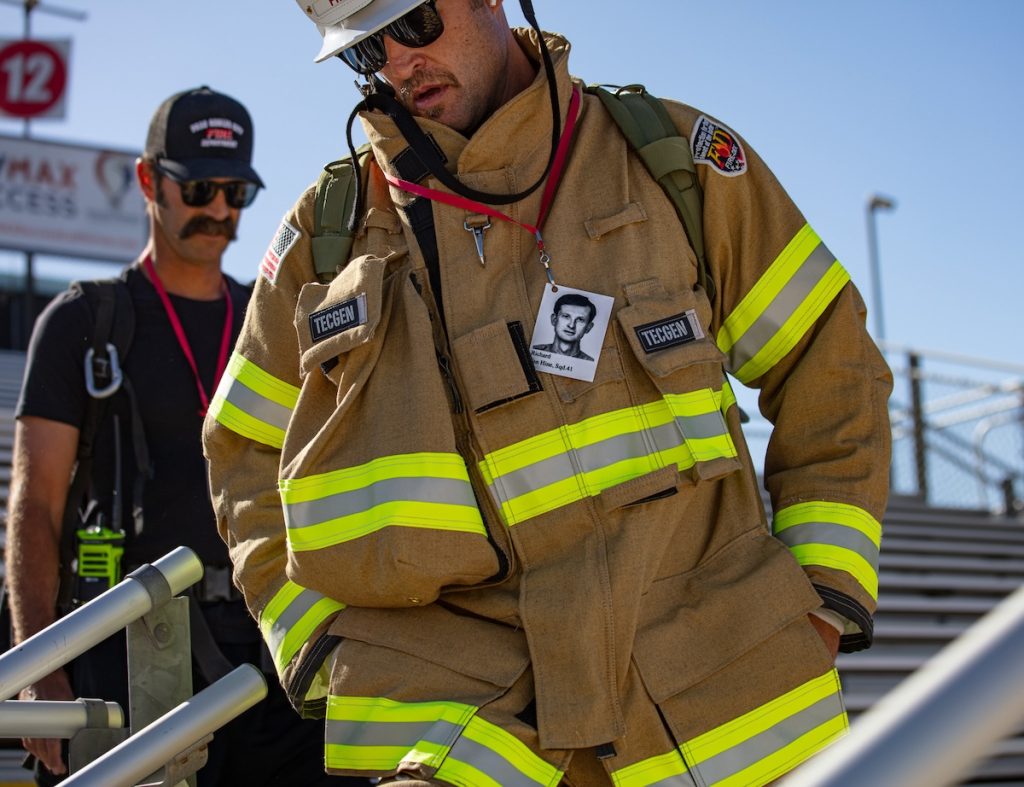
(198, 193)
(419, 28)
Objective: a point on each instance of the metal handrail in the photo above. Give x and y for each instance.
(153, 746)
(939, 722)
(90, 624)
(171, 746)
(48, 719)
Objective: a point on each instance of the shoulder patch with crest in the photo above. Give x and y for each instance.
(718, 147)
(278, 249)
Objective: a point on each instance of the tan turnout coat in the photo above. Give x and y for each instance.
(451, 553)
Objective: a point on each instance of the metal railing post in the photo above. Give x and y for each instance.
(917, 413)
(933, 727)
(159, 743)
(57, 644)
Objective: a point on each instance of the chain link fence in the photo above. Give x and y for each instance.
(957, 428)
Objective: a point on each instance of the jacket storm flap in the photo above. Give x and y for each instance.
(449, 552)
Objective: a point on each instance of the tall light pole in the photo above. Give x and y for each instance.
(876, 203)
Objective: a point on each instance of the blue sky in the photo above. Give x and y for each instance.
(920, 100)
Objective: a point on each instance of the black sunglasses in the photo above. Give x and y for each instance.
(197, 193)
(419, 28)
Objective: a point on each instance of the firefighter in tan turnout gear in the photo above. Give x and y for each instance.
(485, 563)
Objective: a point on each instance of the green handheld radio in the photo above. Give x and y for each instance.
(98, 561)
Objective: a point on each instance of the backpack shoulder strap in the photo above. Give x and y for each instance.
(650, 132)
(110, 335)
(333, 206)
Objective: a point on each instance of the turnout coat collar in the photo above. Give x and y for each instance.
(509, 150)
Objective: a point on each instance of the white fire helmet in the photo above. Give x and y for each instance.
(343, 23)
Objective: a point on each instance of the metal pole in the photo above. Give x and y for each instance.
(917, 412)
(45, 719)
(931, 729)
(90, 624)
(152, 747)
(877, 202)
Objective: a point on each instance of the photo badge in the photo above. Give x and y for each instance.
(569, 332)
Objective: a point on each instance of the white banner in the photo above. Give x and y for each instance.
(70, 200)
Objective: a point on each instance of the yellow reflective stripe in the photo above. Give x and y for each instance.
(376, 733)
(423, 490)
(487, 756)
(837, 513)
(790, 295)
(665, 769)
(796, 326)
(434, 465)
(789, 756)
(834, 535)
(253, 403)
(581, 460)
(753, 304)
(732, 754)
(840, 559)
(290, 618)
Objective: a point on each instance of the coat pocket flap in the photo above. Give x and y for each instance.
(331, 319)
(468, 646)
(698, 622)
(667, 332)
(495, 365)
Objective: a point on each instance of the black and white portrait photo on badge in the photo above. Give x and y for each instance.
(569, 331)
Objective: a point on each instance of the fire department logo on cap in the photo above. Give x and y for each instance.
(216, 132)
(715, 145)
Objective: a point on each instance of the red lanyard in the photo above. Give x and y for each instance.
(179, 332)
(545, 204)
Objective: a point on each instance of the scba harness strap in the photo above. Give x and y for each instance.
(643, 121)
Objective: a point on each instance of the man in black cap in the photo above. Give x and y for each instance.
(141, 490)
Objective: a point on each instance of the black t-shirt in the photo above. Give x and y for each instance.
(176, 501)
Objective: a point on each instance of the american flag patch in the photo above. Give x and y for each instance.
(278, 249)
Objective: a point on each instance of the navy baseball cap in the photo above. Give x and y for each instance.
(199, 133)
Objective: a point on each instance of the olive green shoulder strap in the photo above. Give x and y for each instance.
(650, 132)
(335, 197)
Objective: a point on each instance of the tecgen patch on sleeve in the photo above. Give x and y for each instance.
(278, 249)
(718, 147)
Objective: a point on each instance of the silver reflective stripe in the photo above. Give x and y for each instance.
(633, 445)
(288, 619)
(490, 763)
(408, 490)
(257, 406)
(783, 306)
(755, 749)
(831, 535)
(679, 780)
(392, 733)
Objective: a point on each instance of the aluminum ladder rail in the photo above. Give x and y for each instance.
(938, 723)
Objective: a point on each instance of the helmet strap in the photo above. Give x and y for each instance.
(378, 95)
